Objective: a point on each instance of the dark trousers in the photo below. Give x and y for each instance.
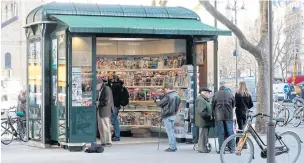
(195, 134)
(241, 121)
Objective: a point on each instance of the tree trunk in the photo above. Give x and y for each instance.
(262, 96)
(260, 52)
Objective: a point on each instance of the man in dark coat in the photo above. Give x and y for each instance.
(223, 103)
(203, 118)
(116, 86)
(104, 109)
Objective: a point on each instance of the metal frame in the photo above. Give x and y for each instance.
(190, 52)
(32, 37)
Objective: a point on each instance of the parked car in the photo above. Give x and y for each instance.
(279, 96)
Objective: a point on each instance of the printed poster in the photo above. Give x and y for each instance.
(32, 52)
(54, 54)
(37, 55)
(200, 54)
(76, 87)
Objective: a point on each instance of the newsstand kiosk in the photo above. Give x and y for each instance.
(70, 44)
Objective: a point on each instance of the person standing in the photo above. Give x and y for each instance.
(243, 102)
(22, 101)
(104, 108)
(116, 86)
(169, 104)
(223, 103)
(203, 118)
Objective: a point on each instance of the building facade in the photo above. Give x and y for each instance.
(13, 40)
(294, 19)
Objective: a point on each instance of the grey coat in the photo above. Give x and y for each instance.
(223, 103)
(105, 105)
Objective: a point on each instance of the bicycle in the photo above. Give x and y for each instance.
(281, 110)
(298, 114)
(7, 126)
(245, 144)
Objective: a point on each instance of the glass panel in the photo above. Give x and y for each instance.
(35, 91)
(82, 71)
(144, 66)
(54, 70)
(62, 103)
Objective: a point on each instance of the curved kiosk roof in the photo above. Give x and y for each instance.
(98, 18)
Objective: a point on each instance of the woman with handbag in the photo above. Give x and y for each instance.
(243, 102)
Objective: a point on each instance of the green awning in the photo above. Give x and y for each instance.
(132, 25)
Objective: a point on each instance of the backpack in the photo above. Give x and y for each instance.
(124, 101)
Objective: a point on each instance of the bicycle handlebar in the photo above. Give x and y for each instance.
(258, 114)
(261, 114)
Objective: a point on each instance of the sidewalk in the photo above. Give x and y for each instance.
(126, 151)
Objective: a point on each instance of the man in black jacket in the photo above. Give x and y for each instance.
(169, 104)
(116, 86)
(223, 103)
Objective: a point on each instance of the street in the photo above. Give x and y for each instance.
(136, 153)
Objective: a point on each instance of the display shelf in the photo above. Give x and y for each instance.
(141, 110)
(181, 87)
(143, 102)
(152, 128)
(134, 70)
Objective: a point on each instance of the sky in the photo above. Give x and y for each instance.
(250, 13)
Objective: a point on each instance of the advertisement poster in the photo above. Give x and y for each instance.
(201, 54)
(76, 87)
(54, 86)
(32, 53)
(37, 51)
(54, 54)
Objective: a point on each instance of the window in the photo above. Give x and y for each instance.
(8, 60)
(82, 71)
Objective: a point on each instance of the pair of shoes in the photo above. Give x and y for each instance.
(103, 145)
(115, 139)
(203, 152)
(230, 152)
(227, 149)
(170, 150)
(108, 145)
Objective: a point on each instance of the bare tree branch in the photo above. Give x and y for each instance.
(244, 43)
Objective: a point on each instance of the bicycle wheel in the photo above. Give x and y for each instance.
(229, 155)
(22, 131)
(297, 118)
(291, 143)
(284, 113)
(6, 133)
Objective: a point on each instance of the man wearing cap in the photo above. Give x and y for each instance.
(105, 106)
(203, 118)
(223, 103)
(169, 104)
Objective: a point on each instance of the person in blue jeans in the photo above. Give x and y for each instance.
(116, 86)
(223, 103)
(169, 104)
